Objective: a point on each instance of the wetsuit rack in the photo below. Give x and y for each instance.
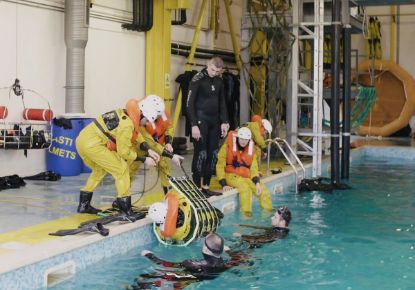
(280, 142)
(204, 218)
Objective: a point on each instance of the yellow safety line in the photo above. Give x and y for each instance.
(39, 233)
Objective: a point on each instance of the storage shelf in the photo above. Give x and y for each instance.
(25, 135)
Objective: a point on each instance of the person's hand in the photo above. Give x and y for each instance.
(177, 159)
(227, 188)
(146, 252)
(237, 235)
(154, 155)
(264, 155)
(168, 147)
(226, 248)
(258, 189)
(196, 133)
(150, 161)
(224, 127)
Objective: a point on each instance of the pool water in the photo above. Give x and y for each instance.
(363, 238)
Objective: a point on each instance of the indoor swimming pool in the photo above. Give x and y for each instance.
(363, 238)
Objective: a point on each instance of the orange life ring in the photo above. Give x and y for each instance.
(3, 112)
(171, 216)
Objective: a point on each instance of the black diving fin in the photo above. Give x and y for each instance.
(47, 175)
(117, 217)
(90, 227)
(97, 225)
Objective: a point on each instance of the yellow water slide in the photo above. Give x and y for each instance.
(395, 97)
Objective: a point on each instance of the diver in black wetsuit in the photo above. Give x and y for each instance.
(191, 271)
(208, 115)
(279, 221)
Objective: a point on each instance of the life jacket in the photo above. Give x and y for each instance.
(162, 123)
(258, 119)
(134, 113)
(236, 161)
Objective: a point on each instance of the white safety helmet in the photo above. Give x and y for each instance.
(152, 107)
(244, 133)
(157, 213)
(267, 126)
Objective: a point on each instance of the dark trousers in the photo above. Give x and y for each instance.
(206, 150)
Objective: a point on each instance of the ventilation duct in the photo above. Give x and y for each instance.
(142, 16)
(76, 37)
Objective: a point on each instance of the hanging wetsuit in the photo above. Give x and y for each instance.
(184, 80)
(206, 108)
(231, 85)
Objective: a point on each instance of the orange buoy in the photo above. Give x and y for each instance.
(3, 112)
(38, 114)
(171, 216)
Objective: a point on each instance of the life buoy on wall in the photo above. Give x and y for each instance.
(38, 114)
(3, 112)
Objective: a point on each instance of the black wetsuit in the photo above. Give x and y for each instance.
(206, 268)
(267, 236)
(206, 108)
(188, 271)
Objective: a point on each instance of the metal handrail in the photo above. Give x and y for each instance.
(293, 153)
(276, 141)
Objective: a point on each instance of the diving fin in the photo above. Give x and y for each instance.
(118, 217)
(47, 175)
(92, 227)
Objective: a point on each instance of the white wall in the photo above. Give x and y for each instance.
(114, 66)
(33, 49)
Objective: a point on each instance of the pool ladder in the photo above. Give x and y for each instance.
(278, 141)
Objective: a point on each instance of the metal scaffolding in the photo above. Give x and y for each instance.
(314, 32)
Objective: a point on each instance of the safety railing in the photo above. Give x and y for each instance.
(277, 142)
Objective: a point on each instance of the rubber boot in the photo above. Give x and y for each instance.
(124, 204)
(85, 203)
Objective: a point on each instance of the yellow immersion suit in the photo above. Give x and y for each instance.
(228, 174)
(258, 138)
(92, 147)
(156, 142)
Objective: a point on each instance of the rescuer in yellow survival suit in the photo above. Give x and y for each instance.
(237, 167)
(105, 146)
(259, 128)
(159, 137)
